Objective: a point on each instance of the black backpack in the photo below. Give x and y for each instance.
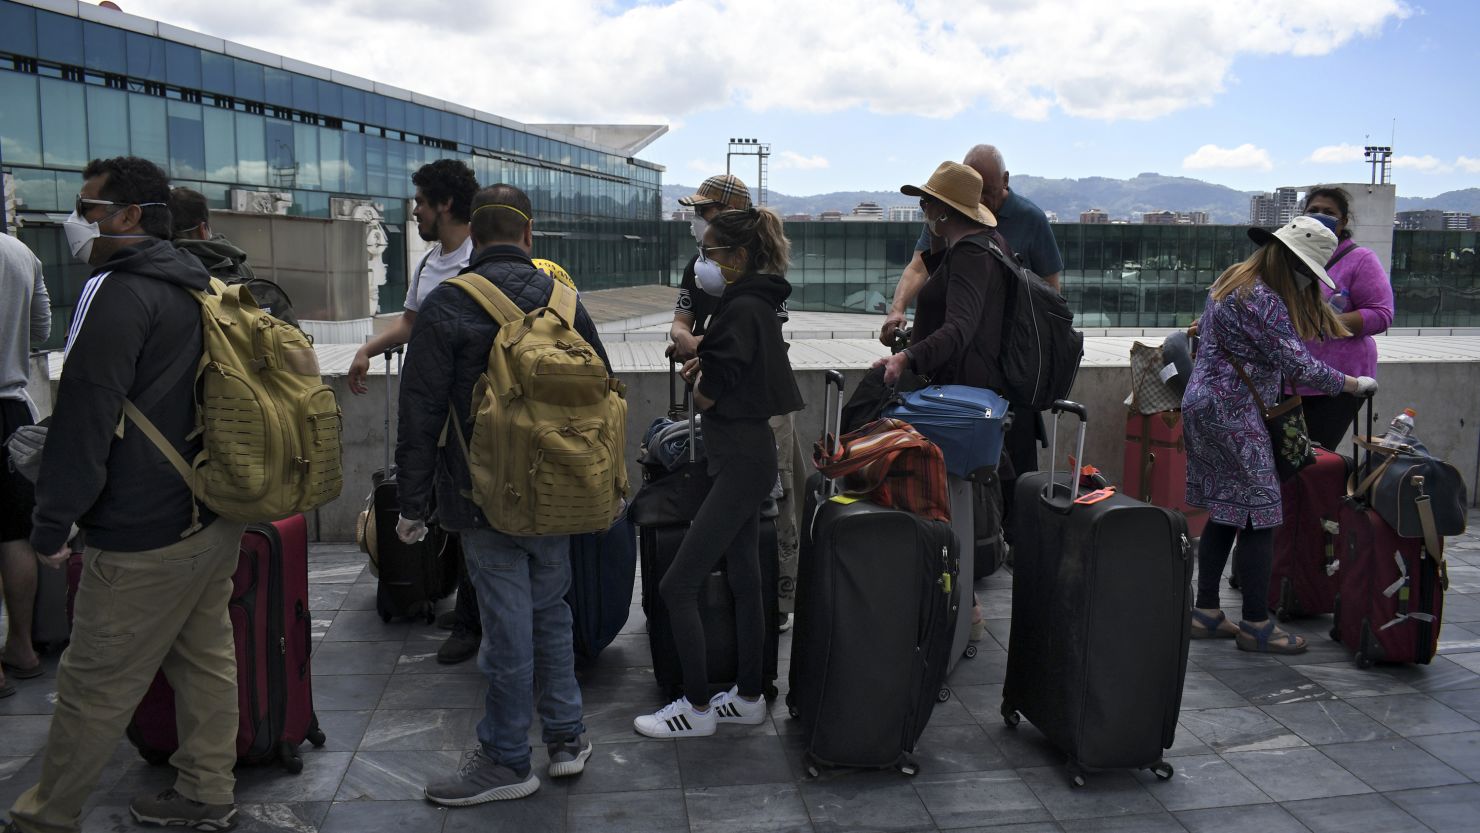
(1041, 350)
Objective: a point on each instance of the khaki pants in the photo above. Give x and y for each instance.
(788, 464)
(139, 612)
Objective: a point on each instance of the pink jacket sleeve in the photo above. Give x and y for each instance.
(1371, 292)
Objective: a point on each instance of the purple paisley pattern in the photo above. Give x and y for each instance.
(1230, 464)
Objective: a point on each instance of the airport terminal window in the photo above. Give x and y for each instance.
(250, 83)
(353, 166)
(306, 155)
(145, 57)
(105, 48)
(218, 73)
(17, 29)
(331, 159)
(148, 136)
(279, 87)
(187, 141)
(107, 123)
(182, 65)
(353, 104)
(331, 101)
(251, 149)
(59, 38)
(63, 124)
(21, 115)
(305, 93)
(395, 112)
(220, 144)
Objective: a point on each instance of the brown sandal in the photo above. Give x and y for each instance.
(1205, 626)
(1266, 640)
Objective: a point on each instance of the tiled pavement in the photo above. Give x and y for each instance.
(1305, 743)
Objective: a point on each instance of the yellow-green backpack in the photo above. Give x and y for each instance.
(270, 425)
(549, 422)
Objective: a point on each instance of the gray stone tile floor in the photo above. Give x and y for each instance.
(1306, 743)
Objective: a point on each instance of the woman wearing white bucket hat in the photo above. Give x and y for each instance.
(1258, 315)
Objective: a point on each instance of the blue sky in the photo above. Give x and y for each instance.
(870, 94)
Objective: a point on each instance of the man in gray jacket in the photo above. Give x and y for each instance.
(25, 310)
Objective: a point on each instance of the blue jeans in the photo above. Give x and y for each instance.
(521, 585)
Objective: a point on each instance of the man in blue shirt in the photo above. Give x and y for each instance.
(1026, 229)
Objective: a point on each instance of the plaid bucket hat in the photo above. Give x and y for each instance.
(725, 189)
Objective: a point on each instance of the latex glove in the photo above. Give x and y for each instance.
(409, 531)
(1366, 386)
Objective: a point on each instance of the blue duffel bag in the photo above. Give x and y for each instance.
(967, 423)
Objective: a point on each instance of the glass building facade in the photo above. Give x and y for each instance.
(75, 89)
(1114, 275)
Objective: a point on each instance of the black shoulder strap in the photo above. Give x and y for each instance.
(1339, 255)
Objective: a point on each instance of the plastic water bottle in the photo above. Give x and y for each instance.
(1400, 430)
(1340, 301)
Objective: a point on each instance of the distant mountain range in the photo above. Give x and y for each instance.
(1067, 198)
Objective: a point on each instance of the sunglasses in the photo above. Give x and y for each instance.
(705, 250)
(83, 204)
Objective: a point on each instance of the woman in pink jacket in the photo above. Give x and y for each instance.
(1363, 301)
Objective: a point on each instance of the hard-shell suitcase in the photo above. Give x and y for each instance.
(1304, 576)
(270, 618)
(660, 532)
(603, 566)
(1391, 602)
(877, 605)
(1100, 630)
(1156, 465)
(963, 511)
(987, 513)
(413, 577)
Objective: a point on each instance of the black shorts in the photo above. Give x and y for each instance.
(17, 496)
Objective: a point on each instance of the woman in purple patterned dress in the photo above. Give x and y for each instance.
(1259, 313)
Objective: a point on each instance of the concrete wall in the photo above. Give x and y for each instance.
(1444, 394)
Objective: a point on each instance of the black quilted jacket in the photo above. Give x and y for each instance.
(447, 353)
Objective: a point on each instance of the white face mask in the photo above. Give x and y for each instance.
(80, 234)
(709, 277)
(698, 226)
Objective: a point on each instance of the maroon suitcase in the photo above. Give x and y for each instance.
(1305, 577)
(270, 617)
(1391, 601)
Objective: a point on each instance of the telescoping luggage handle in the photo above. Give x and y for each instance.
(396, 351)
(832, 423)
(1050, 490)
(675, 408)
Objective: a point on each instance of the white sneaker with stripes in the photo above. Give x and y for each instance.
(676, 720)
(730, 707)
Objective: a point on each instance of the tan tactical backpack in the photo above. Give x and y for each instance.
(271, 426)
(549, 422)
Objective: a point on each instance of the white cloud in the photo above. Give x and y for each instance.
(1426, 164)
(796, 161)
(1468, 165)
(1336, 154)
(594, 60)
(705, 167)
(1244, 156)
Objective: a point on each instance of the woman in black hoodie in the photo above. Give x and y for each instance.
(741, 379)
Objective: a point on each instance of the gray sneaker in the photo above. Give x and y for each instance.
(170, 809)
(568, 756)
(479, 781)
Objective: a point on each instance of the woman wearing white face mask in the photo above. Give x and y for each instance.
(741, 379)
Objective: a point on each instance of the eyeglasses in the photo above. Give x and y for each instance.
(705, 250)
(83, 204)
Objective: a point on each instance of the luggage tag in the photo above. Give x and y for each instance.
(1096, 496)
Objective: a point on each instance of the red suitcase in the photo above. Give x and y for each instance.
(1156, 465)
(1305, 577)
(270, 616)
(1391, 601)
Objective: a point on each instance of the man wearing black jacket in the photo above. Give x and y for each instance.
(154, 591)
(521, 581)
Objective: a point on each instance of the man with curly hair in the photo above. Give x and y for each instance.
(444, 199)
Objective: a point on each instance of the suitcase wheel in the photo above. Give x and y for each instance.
(1076, 775)
(812, 771)
(1363, 661)
(292, 761)
(909, 768)
(792, 712)
(316, 736)
(1334, 633)
(943, 695)
(1011, 718)
(970, 652)
(1284, 614)
(1162, 770)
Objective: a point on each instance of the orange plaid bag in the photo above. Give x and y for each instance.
(889, 463)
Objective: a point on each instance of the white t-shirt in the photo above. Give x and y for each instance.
(438, 267)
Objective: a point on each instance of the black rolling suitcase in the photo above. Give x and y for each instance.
(662, 510)
(877, 605)
(413, 577)
(1100, 598)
